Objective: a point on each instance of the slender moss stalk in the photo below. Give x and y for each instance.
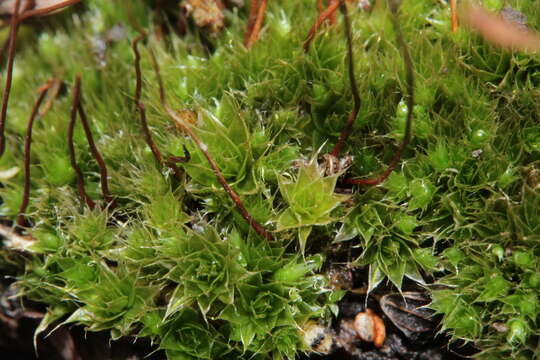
(352, 79)
(254, 5)
(71, 147)
(326, 14)
(27, 146)
(139, 105)
(94, 150)
(14, 27)
(142, 111)
(253, 33)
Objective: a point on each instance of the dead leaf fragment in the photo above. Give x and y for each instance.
(506, 31)
(408, 312)
(14, 241)
(206, 14)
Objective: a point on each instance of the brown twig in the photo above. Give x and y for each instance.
(256, 30)
(27, 145)
(352, 79)
(326, 14)
(409, 70)
(253, 9)
(71, 147)
(9, 76)
(94, 150)
(259, 229)
(453, 11)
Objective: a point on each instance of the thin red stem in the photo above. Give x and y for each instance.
(27, 147)
(71, 147)
(345, 133)
(142, 110)
(320, 6)
(254, 36)
(253, 9)
(9, 76)
(333, 16)
(326, 14)
(454, 17)
(94, 150)
(139, 105)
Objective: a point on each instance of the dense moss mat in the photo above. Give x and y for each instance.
(175, 262)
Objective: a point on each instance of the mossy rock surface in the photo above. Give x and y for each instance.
(175, 262)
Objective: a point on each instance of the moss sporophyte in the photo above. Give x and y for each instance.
(229, 181)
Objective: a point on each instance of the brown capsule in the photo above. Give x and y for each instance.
(370, 327)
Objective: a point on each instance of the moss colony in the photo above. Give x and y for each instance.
(173, 260)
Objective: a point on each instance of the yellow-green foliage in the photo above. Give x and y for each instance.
(175, 262)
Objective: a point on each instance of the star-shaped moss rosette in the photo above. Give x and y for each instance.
(189, 337)
(310, 198)
(266, 314)
(205, 274)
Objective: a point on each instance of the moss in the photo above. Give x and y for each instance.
(175, 262)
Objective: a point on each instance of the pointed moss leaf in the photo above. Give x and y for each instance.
(176, 303)
(165, 212)
(81, 315)
(397, 184)
(58, 170)
(421, 191)
(406, 223)
(310, 197)
(79, 273)
(439, 157)
(47, 242)
(494, 288)
(53, 314)
(207, 272)
(464, 321)
(367, 222)
(411, 271)
(395, 272)
(454, 256)
(188, 336)
(91, 231)
(376, 276)
(276, 162)
(346, 232)
(425, 258)
(295, 271)
(526, 302)
(303, 234)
